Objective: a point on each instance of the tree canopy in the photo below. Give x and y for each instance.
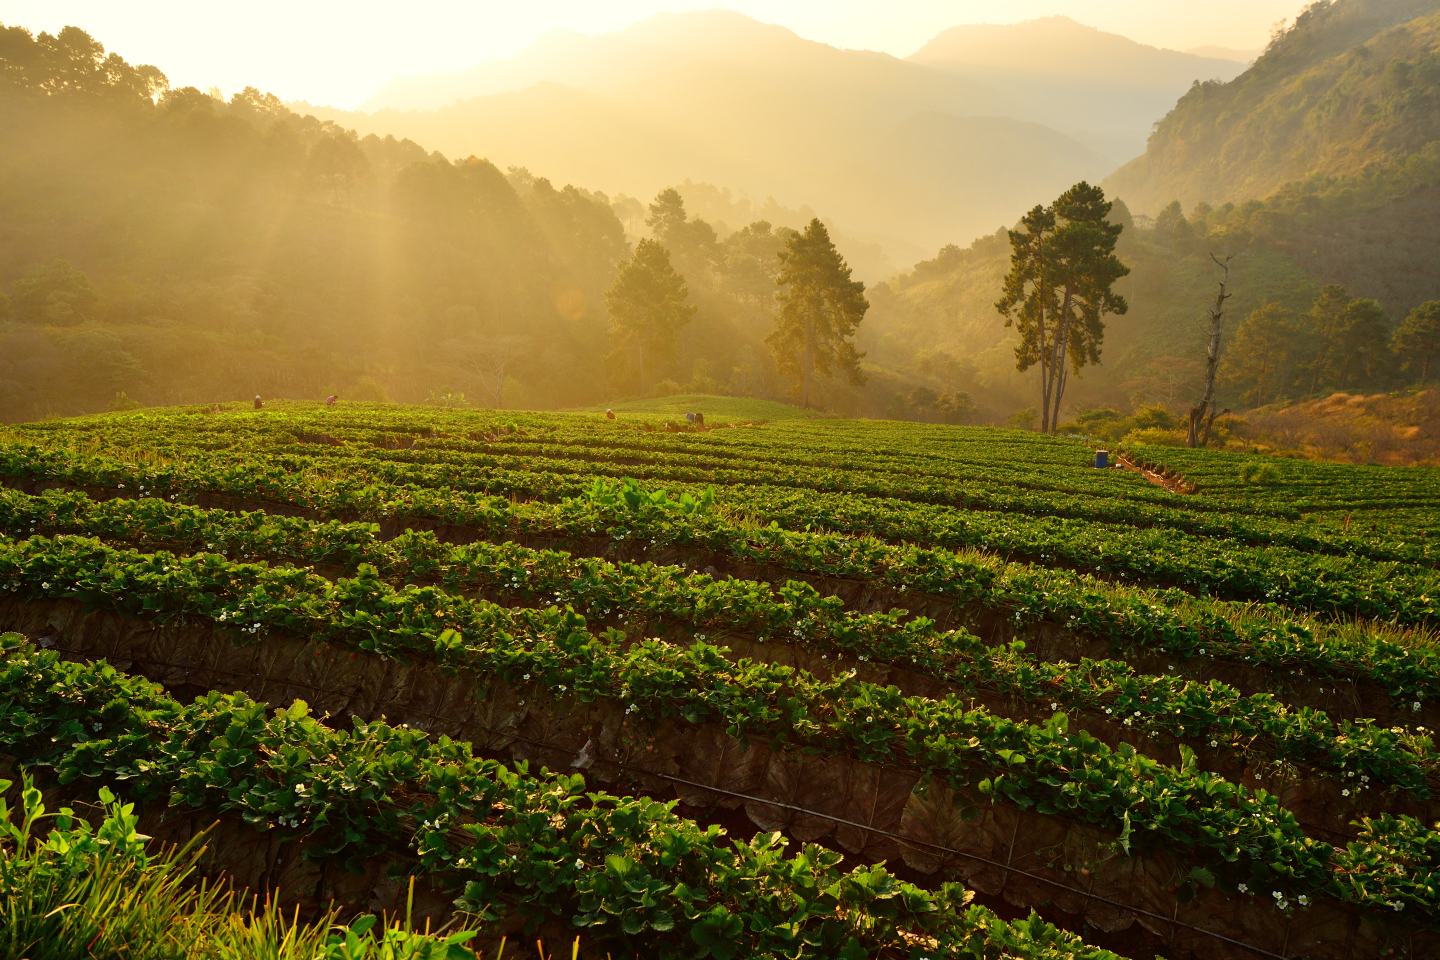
(820, 309)
(1417, 340)
(1060, 287)
(649, 305)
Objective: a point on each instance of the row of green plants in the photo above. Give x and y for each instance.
(68, 885)
(1242, 837)
(985, 489)
(1031, 522)
(1364, 755)
(1334, 585)
(1012, 458)
(628, 515)
(999, 462)
(510, 844)
(984, 485)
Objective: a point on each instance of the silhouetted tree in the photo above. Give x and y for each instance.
(820, 308)
(1352, 339)
(1028, 301)
(1202, 415)
(649, 304)
(1060, 287)
(666, 214)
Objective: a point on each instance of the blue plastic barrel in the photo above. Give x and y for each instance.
(1102, 459)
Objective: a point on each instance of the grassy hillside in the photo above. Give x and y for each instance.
(1389, 428)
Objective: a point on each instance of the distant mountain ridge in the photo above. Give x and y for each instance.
(1353, 86)
(1101, 88)
(907, 153)
(1091, 51)
(896, 152)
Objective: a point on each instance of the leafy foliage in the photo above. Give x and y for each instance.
(820, 308)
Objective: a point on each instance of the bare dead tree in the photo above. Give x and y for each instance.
(1202, 416)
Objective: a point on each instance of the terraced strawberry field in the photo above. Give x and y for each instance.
(1069, 711)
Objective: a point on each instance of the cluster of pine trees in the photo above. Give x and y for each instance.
(1339, 343)
(791, 290)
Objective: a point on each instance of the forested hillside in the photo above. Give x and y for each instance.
(1327, 149)
(939, 318)
(166, 245)
(1353, 85)
(1318, 166)
(161, 245)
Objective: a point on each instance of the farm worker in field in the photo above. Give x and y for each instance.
(258, 402)
(330, 400)
(609, 414)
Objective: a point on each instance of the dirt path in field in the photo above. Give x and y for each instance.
(1161, 478)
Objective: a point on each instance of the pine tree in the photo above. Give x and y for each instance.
(1417, 340)
(649, 305)
(820, 308)
(1060, 287)
(1263, 359)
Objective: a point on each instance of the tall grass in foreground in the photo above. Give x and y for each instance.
(80, 892)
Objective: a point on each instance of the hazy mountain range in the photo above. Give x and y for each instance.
(948, 144)
(1104, 90)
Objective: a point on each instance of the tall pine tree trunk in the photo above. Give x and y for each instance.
(1046, 374)
(1060, 349)
(1062, 375)
(807, 364)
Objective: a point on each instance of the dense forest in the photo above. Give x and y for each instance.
(161, 245)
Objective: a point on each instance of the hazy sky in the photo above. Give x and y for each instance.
(338, 53)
